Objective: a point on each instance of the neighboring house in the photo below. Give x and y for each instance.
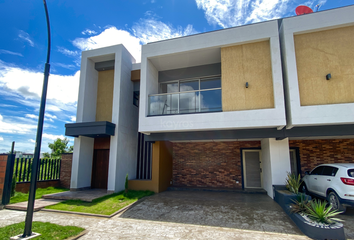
(24, 155)
(236, 108)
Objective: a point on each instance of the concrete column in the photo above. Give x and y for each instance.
(275, 161)
(123, 146)
(82, 163)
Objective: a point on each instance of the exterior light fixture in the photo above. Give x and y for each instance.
(328, 76)
(246, 84)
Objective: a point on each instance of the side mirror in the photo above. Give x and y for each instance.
(307, 173)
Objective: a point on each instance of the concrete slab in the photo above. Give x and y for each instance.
(84, 195)
(38, 204)
(256, 212)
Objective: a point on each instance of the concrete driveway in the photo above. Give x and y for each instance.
(256, 212)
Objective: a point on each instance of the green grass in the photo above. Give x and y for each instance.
(47, 230)
(105, 205)
(22, 197)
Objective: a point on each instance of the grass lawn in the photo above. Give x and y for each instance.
(22, 197)
(46, 229)
(105, 205)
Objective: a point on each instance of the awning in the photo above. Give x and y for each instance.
(90, 129)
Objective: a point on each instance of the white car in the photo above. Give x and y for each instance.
(335, 182)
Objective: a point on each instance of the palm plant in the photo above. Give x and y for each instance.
(322, 212)
(293, 182)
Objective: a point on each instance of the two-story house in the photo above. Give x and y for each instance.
(231, 109)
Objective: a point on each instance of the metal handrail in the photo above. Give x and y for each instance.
(201, 90)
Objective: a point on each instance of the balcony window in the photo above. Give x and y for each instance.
(187, 96)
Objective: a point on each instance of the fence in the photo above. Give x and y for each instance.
(49, 169)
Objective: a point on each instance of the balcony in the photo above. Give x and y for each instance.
(187, 96)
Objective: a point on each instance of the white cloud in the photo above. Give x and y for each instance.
(31, 140)
(31, 116)
(1, 139)
(88, 32)
(68, 52)
(14, 127)
(25, 36)
(52, 137)
(73, 118)
(230, 13)
(2, 51)
(109, 37)
(28, 83)
(152, 30)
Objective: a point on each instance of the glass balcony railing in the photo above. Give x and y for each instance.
(185, 102)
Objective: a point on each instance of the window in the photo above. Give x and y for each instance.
(136, 98)
(329, 171)
(317, 171)
(187, 96)
(351, 172)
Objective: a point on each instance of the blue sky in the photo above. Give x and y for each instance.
(86, 24)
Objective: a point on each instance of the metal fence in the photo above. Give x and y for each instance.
(49, 169)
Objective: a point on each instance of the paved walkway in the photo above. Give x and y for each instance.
(122, 228)
(84, 195)
(38, 204)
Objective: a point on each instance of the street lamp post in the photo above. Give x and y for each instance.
(35, 165)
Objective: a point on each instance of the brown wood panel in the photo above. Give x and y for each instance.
(105, 87)
(102, 143)
(135, 75)
(100, 168)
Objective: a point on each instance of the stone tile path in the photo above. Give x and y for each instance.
(84, 195)
(38, 204)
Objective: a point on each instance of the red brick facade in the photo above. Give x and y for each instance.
(209, 164)
(65, 170)
(315, 152)
(3, 162)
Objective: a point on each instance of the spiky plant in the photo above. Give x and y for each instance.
(126, 183)
(293, 182)
(299, 205)
(322, 212)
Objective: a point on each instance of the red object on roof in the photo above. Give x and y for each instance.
(300, 10)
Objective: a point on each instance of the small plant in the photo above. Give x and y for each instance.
(299, 205)
(322, 212)
(13, 185)
(293, 183)
(126, 183)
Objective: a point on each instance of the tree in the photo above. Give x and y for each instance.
(59, 147)
(46, 155)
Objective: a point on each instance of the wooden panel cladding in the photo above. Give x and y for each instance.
(100, 164)
(102, 143)
(135, 75)
(247, 63)
(321, 53)
(105, 95)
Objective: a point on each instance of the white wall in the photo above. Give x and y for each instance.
(173, 51)
(298, 115)
(276, 162)
(82, 163)
(123, 146)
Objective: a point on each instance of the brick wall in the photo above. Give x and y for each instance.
(315, 152)
(24, 187)
(3, 162)
(65, 170)
(209, 164)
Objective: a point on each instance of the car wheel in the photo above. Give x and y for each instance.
(333, 199)
(303, 189)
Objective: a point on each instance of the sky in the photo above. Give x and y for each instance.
(87, 24)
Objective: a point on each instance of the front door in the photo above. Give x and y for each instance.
(100, 168)
(252, 169)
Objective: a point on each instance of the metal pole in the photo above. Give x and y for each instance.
(35, 165)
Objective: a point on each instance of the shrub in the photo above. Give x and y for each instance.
(299, 205)
(322, 212)
(126, 183)
(293, 182)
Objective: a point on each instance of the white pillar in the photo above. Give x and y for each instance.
(81, 169)
(275, 161)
